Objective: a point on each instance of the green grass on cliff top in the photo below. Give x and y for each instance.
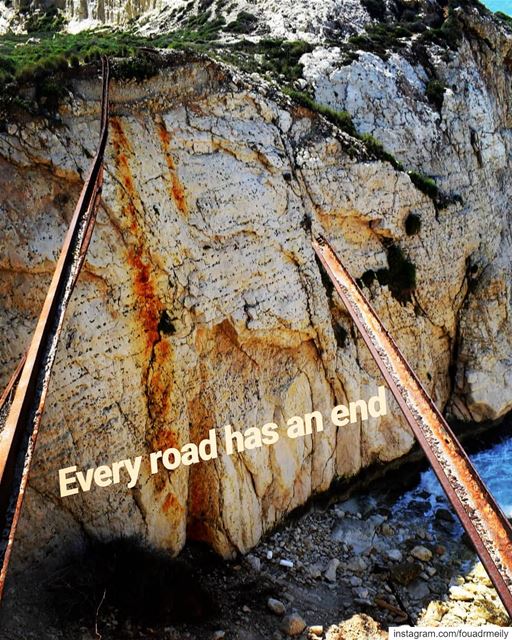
(46, 48)
(27, 58)
(22, 56)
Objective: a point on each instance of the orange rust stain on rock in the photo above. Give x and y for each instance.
(171, 502)
(130, 198)
(166, 439)
(149, 305)
(161, 380)
(156, 376)
(198, 498)
(176, 191)
(119, 139)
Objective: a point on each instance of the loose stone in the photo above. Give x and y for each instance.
(293, 624)
(421, 553)
(276, 606)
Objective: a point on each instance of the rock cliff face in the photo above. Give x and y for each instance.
(280, 18)
(201, 303)
(465, 145)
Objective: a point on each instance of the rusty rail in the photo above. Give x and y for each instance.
(483, 520)
(10, 389)
(19, 431)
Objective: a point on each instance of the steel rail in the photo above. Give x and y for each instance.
(10, 389)
(19, 433)
(484, 522)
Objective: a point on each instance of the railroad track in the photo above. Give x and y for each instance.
(483, 520)
(22, 403)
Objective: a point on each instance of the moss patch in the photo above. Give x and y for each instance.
(341, 119)
(376, 148)
(425, 184)
(504, 18)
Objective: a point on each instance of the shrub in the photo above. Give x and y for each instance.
(7, 66)
(279, 58)
(137, 67)
(56, 63)
(435, 93)
(504, 17)
(245, 23)
(31, 73)
(49, 92)
(376, 8)
(198, 30)
(48, 22)
(93, 54)
(412, 224)
(448, 35)
(380, 38)
(400, 276)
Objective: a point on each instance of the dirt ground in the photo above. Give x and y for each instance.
(354, 568)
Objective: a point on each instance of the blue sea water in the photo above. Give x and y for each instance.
(499, 5)
(495, 467)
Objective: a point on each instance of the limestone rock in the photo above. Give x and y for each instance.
(387, 99)
(332, 567)
(395, 555)
(283, 19)
(461, 593)
(421, 553)
(293, 625)
(434, 613)
(359, 626)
